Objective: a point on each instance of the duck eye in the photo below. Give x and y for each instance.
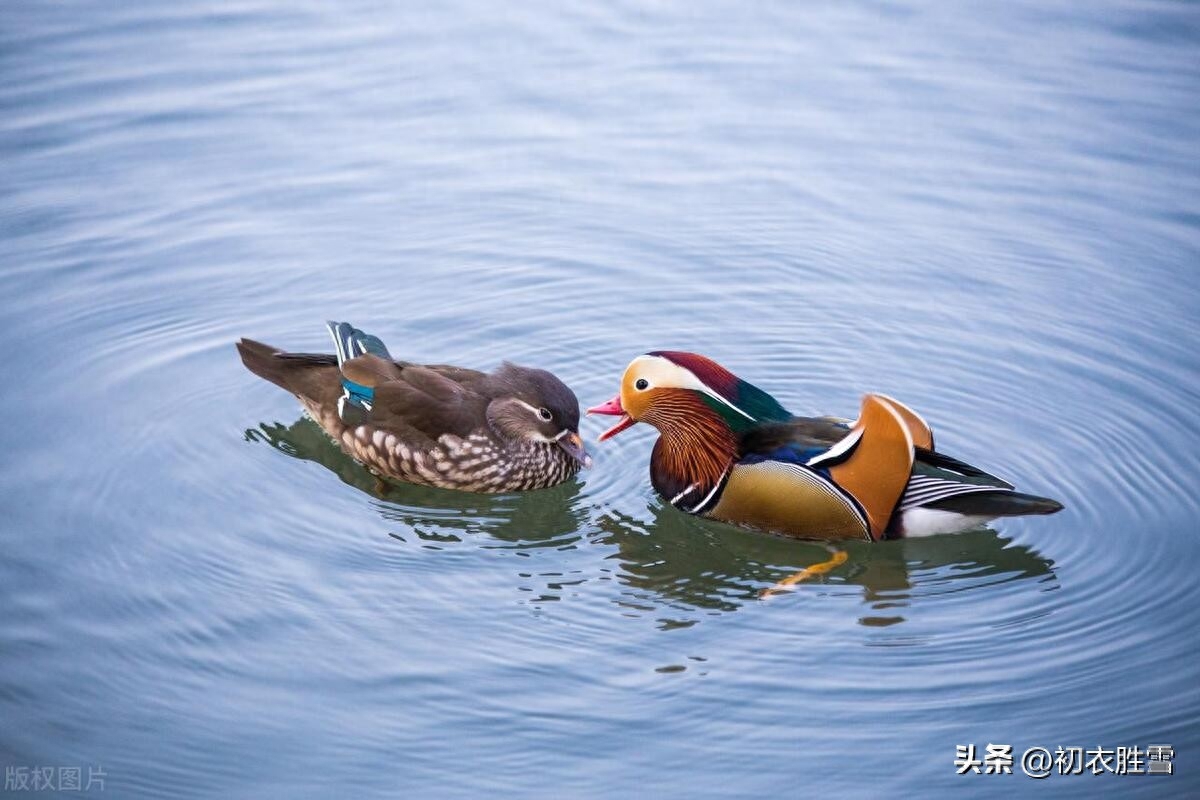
(545, 414)
(642, 384)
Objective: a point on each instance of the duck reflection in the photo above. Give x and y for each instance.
(547, 517)
(672, 559)
(709, 565)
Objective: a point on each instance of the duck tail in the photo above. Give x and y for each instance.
(280, 368)
(260, 359)
(997, 504)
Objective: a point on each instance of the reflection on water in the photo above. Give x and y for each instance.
(681, 559)
(668, 558)
(532, 519)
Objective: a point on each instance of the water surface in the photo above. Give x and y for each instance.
(988, 212)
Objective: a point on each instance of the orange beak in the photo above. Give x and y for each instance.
(613, 408)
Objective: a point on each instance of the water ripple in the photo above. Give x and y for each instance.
(989, 215)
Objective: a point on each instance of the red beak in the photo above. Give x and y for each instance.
(613, 408)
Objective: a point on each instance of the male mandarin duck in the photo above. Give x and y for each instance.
(729, 451)
(513, 429)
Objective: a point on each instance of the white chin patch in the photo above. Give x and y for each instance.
(931, 521)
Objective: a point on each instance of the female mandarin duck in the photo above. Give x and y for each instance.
(512, 429)
(729, 451)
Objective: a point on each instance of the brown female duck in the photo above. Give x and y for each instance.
(512, 429)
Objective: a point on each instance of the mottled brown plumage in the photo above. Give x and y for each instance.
(512, 429)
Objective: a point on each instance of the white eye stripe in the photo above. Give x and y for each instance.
(673, 376)
(537, 412)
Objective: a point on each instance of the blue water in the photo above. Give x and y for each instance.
(989, 211)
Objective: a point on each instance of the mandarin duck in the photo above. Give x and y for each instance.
(729, 451)
(512, 429)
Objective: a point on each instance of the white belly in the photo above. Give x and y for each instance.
(929, 521)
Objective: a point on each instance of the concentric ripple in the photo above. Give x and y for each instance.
(987, 213)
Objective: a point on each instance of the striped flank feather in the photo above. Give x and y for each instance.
(923, 490)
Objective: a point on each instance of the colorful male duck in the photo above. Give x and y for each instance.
(729, 451)
(512, 429)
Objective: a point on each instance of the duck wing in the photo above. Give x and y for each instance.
(402, 397)
(427, 401)
(869, 461)
(886, 463)
(795, 441)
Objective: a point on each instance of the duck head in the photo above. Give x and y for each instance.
(535, 406)
(675, 391)
(701, 411)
